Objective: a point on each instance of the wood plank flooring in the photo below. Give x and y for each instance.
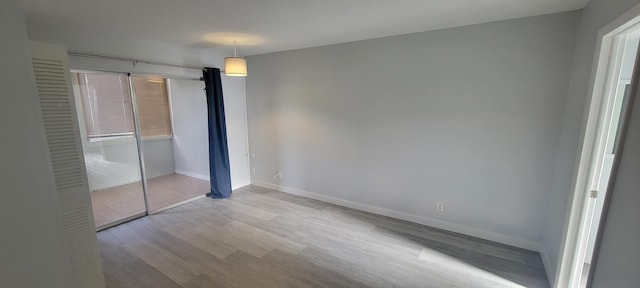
(264, 238)
(116, 203)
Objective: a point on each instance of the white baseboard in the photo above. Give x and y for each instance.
(471, 231)
(194, 175)
(549, 267)
(206, 178)
(240, 185)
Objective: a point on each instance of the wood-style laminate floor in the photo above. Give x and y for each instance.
(117, 203)
(264, 238)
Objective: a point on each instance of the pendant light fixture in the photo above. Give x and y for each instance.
(235, 66)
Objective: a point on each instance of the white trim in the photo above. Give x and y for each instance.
(548, 265)
(206, 178)
(170, 104)
(246, 130)
(471, 231)
(576, 210)
(123, 140)
(111, 141)
(235, 187)
(194, 175)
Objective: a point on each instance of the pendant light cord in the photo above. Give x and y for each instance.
(235, 53)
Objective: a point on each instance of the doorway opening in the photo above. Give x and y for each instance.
(616, 81)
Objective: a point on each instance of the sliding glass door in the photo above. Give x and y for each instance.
(109, 139)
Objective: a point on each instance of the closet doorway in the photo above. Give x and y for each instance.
(615, 84)
(131, 145)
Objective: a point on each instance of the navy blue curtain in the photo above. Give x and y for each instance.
(219, 171)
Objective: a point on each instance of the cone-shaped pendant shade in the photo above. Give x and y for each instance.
(235, 66)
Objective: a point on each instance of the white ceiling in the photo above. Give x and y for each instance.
(283, 24)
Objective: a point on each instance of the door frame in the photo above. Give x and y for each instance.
(604, 68)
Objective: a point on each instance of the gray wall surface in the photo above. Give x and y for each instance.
(190, 131)
(32, 249)
(467, 116)
(594, 17)
(158, 157)
(79, 39)
(191, 140)
(235, 110)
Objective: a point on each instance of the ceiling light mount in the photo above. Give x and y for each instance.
(235, 66)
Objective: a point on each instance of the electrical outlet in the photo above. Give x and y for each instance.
(440, 207)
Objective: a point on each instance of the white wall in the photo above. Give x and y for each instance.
(190, 132)
(124, 45)
(31, 242)
(158, 157)
(467, 116)
(191, 144)
(235, 109)
(594, 17)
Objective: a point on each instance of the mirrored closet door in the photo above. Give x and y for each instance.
(109, 140)
(168, 151)
(139, 159)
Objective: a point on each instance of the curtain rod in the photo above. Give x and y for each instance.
(134, 61)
